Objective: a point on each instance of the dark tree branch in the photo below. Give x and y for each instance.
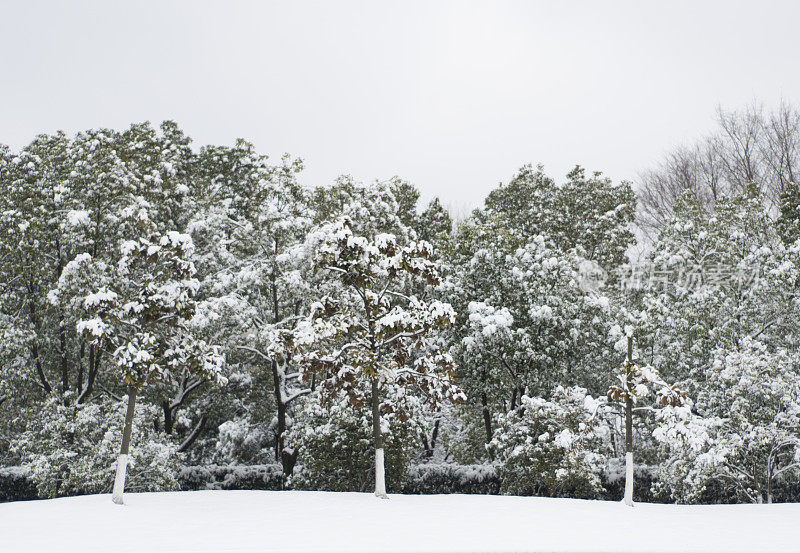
(187, 443)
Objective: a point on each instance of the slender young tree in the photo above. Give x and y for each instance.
(633, 385)
(374, 331)
(140, 317)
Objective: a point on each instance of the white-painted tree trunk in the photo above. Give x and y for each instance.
(377, 436)
(122, 460)
(628, 499)
(119, 481)
(629, 384)
(380, 475)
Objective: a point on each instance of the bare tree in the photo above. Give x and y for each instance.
(782, 146)
(749, 147)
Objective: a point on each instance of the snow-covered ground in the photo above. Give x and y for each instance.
(253, 521)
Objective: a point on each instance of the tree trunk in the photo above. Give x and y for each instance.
(62, 339)
(280, 434)
(168, 423)
(288, 460)
(35, 345)
(81, 355)
(94, 364)
(430, 445)
(39, 370)
(434, 437)
(380, 476)
(122, 461)
(629, 427)
(487, 420)
(769, 480)
(187, 443)
(62, 334)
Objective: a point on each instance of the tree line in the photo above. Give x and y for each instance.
(200, 306)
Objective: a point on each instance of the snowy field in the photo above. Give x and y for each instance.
(254, 521)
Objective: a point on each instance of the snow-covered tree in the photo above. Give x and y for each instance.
(256, 282)
(788, 222)
(435, 225)
(62, 199)
(587, 213)
(727, 277)
(523, 255)
(139, 313)
(529, 328)
(717, 277)
(372, 330)
(372, 209)
(34, 249)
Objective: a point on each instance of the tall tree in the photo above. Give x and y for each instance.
(139, 315)
(255, 269)
(373, 330)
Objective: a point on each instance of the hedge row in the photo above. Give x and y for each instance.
(231, 477)
(449, 478)
(16, 484)
(421, 479)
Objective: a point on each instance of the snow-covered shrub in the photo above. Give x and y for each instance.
(552, 447)
(644, 477)
(465, 442)
(336, 451)
(428, 478)
(451, 478)
(241, 441)
(231, 477)
(16, 484)
(72, 449)
(683, 474)
(743, 441)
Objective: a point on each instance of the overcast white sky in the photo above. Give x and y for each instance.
(453, 96)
